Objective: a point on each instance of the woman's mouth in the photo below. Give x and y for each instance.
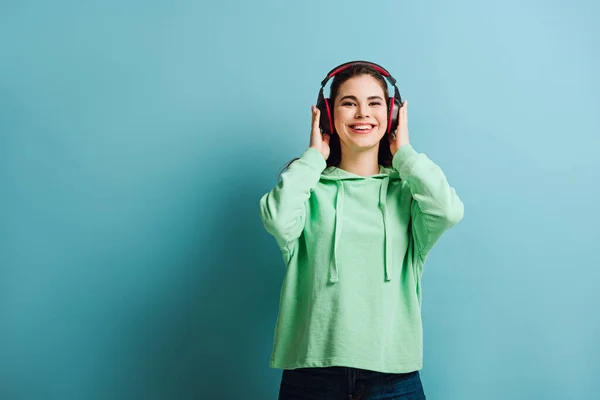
(362, 129)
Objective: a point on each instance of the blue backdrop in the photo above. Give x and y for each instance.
(136, 138)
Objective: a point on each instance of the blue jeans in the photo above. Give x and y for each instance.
(345, 383)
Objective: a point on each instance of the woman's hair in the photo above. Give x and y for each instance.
(335, 154)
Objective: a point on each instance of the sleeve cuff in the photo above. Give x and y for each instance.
(403, 159)
(314, 159)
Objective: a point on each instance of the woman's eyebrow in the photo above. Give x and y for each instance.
(355, 99)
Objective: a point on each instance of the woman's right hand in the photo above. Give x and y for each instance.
(318, 140)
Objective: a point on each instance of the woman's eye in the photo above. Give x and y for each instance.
(374, 103)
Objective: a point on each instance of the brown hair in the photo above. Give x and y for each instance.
(335, 154)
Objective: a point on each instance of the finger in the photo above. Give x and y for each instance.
(326, 138)
(315, 118)
(312, 125)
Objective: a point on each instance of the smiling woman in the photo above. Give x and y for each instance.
(345, 92)
(361, 71)
(360, 118)
(351, 101)
(355, 218)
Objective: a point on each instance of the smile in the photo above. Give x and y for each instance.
(361, 128)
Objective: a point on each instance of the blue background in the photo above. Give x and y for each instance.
(136, 138)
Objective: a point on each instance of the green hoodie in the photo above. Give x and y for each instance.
(354, 249)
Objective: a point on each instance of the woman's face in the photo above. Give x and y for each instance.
(360, 113)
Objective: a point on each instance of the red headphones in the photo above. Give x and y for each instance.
(325, 105)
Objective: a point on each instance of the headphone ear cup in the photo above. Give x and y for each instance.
(326, 120)
(393, 113)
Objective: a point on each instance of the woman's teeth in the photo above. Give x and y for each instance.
(361, 128)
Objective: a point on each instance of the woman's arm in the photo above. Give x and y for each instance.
(283, 209)
(436, 206)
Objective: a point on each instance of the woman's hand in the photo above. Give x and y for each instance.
(399, 137)
(318, 140)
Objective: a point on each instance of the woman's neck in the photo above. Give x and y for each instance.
(364, 163)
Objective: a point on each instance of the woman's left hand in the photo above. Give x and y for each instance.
(399, 137)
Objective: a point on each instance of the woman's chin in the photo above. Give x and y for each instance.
(363, 142)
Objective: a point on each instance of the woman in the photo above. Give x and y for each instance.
(355, 218)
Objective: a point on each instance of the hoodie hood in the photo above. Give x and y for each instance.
(341, 178)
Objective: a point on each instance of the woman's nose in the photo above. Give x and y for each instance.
(362, 111)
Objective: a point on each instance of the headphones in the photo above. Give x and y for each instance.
(325, 105)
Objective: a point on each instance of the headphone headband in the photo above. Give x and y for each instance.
(347, 65)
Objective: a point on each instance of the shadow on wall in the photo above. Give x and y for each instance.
(208, 333)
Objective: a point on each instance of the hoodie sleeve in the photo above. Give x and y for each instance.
(436, 206)
(283, 209)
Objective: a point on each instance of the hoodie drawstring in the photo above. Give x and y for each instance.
(387, 240)
(339, 212)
